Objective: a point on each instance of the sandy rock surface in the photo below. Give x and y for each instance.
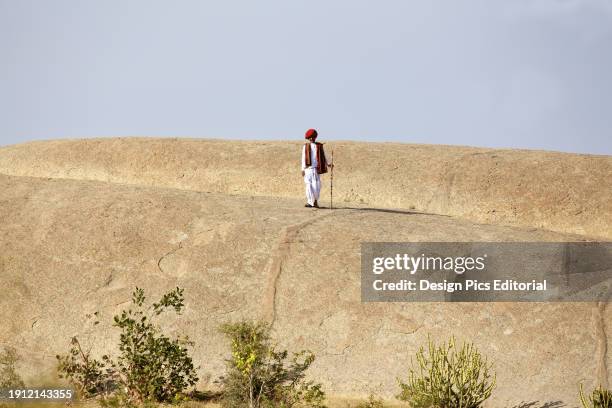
(555, 191)
(81, 228)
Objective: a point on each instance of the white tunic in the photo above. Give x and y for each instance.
(312, 180)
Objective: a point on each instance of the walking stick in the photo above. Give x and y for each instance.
(331, 187)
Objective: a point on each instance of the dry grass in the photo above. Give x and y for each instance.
(332, 403)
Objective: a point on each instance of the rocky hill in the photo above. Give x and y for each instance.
(85, 221)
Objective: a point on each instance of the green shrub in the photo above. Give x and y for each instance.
(449, 377)
(260, 376)
(150, 365)
(599, 398)
(8, 373)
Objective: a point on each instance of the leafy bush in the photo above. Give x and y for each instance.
(260, 376)
(449, 377)
(599, 398)
(8, 373)
(150, 365)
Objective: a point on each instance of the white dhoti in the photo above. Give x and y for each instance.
(313, 185)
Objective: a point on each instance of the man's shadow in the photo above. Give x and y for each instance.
(383, 210)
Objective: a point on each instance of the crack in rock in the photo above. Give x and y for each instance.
(602, 344)
(109, 279)
(174, 250)
(275, 264)
(34, 322)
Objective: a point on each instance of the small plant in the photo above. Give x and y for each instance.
(121, 399)
(150, 367)
(91, 376)
(8, 373)
(372, 402)
(599, 398)
(259, 376)
(449, 377)
(9, 378)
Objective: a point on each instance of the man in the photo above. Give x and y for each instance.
(314, 163)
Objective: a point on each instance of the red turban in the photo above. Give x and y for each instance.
(311, 133)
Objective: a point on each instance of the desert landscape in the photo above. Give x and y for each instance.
(85, 221)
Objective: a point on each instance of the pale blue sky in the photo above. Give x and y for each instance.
(501, 73)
